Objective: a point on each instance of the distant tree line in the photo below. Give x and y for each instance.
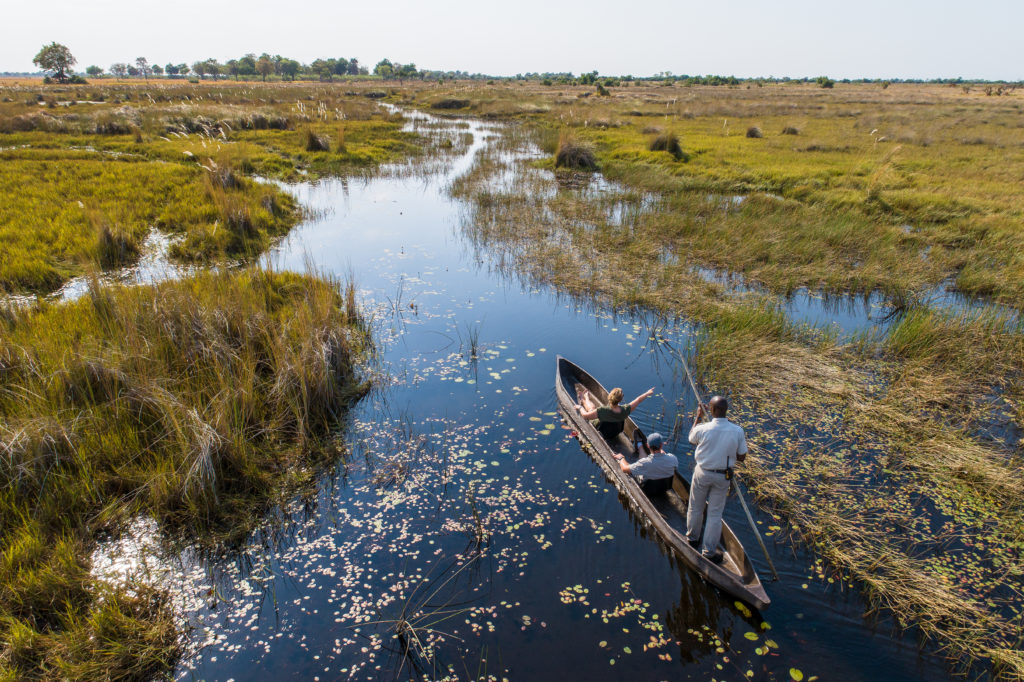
(56, 61)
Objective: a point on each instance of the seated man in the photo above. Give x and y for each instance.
(611, 419)
(655, 471)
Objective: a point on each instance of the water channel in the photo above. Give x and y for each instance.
(467, 534)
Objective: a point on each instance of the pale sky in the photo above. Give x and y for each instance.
(841, 39)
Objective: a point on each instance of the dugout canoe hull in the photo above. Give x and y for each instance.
(735, 576)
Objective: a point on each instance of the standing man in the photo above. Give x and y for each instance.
(720, 444)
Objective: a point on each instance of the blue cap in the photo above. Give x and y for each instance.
(655, 440)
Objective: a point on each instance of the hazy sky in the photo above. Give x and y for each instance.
(842, 39)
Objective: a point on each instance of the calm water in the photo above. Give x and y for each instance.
(468, 534)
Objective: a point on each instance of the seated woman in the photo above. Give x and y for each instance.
(611, 420)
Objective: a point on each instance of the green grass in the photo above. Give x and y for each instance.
(197, 403)
(66, 209)
(866, 163)
(86, 182)
(869, 450)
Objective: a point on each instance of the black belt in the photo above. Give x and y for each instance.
(715, 471)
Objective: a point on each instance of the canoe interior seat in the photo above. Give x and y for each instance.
(654, 487)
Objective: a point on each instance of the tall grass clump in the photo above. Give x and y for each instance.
(450, 103)
(197, 403)
(115, 246)
(573, 154)
(315, 143)
(666, 142)
(790, 130)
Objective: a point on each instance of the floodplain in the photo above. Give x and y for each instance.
(887, 449)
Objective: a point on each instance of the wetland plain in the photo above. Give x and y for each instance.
(328, 445)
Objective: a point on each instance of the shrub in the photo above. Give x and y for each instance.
(602, 91)
(315, 143)
(825, 82)
(790, 130)
(449, 103)
(574, 155)
(667, 142)
(755, 132)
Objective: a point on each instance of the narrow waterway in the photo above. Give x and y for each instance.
(467, 534)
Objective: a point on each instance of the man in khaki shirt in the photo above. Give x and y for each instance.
(720, 444)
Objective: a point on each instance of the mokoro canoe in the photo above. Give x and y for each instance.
(735, 575)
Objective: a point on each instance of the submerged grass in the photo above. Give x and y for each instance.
(194, 402)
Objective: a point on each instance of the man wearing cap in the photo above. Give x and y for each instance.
(720, 444)
(655, 471)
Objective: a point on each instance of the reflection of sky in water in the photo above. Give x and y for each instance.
(851, 315)
(562, 582)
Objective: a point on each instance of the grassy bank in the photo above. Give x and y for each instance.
(874, 452)
(195, 403)
(89, 170)
(853, 189)
(65, 209)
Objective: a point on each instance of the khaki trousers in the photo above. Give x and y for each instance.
(712, 489)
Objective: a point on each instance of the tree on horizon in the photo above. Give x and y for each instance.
(55, 58)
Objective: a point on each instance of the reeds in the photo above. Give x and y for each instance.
(667, 142)
(312, 142)
(573, 154)
(195, 402)
(448, 103)
(897, 416)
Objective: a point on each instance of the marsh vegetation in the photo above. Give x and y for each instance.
(900, 481)
(88, 171)
(197, 403)
(893, 454)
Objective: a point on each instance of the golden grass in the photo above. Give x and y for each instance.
(861, 447)
(89, 170)
(198, 403)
